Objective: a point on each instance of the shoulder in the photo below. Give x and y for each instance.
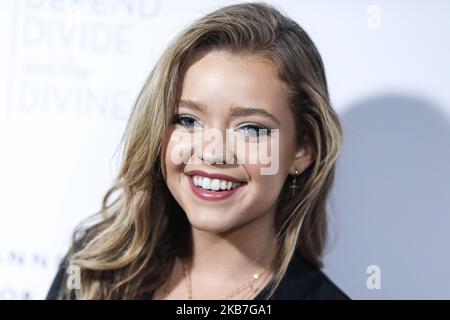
(305, 281)
(57, 289)
(80, 238)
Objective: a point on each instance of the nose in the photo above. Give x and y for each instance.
(211, 158)
(214, 147)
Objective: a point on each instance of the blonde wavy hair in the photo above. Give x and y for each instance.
(128, 248)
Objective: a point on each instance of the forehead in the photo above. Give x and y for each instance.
(220, 77)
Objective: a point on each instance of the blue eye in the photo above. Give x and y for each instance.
(254, 130)
(186, 121)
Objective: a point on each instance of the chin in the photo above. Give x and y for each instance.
(208, 222)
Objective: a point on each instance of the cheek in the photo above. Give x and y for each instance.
(265, 189)
(264, 181)
(177, 151)
(272, 158)
(268, 179)
(171, 167)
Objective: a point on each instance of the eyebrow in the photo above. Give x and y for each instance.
(236, 111)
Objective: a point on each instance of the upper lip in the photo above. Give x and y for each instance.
(212, 175)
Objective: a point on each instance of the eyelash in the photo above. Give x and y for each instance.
(180, 120)
(256, 129)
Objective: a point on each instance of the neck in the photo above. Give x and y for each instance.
(235, 254)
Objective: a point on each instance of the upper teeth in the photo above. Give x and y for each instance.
(214, 184)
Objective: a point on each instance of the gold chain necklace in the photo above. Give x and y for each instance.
(247, 285)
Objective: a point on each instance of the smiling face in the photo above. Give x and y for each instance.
(240, 93)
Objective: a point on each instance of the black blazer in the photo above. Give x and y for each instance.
(301, 281)
(304, 281)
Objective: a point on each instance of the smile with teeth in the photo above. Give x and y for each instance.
(215, 184)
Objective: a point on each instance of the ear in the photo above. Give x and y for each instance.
(303, 158)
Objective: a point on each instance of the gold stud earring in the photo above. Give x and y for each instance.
(294, 187)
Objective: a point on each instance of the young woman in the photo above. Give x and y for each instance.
(191, 221)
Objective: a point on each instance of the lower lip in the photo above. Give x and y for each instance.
(211, 195)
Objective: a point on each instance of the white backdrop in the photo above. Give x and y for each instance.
(69, 74)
